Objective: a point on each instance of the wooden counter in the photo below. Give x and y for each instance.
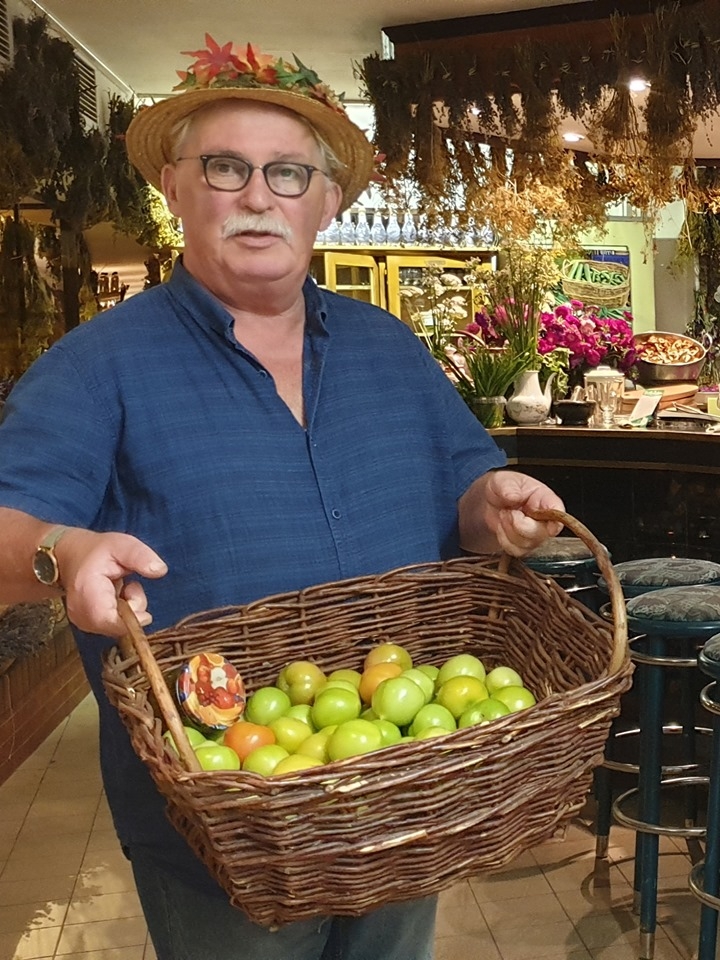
(643, 492)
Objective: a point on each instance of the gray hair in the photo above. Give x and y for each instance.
(180, 131)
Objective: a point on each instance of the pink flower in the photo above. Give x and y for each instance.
(589, 338)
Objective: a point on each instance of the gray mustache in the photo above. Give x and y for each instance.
(255, 223)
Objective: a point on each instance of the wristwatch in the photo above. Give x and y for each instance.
(45, 565)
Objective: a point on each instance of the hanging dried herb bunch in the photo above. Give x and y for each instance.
(504, 100)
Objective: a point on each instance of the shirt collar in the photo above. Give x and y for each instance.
(208, 311)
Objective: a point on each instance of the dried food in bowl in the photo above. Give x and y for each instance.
(668, 357)
(574, 413)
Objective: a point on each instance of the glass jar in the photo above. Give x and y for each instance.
(606, 387)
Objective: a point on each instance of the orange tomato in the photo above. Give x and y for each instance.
(244, 737)
(375, 674)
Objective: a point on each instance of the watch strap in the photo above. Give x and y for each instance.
(51, 538)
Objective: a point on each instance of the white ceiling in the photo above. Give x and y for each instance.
(140, 40)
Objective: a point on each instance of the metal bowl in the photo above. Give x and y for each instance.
(650, 373)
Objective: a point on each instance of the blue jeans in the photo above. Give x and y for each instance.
(186, 924)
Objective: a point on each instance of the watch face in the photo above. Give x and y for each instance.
(45, 567)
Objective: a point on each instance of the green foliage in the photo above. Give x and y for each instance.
(483, 371)
(39, 101)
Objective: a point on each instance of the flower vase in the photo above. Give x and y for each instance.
(529, 403)
(490, 411)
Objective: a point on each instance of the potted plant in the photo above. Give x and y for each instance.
(483, 375)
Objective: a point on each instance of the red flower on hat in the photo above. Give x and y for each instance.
(262, 65)
(213, 61)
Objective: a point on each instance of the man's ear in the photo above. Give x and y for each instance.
(168, 183)
(333, 199)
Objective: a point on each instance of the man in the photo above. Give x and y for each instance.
(234, 433)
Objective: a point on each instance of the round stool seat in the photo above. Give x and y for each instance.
(677, 611)
(564, 555)
(560, 548)
(657, 573)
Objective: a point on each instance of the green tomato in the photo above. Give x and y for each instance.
(194, 736)
(353, 738)
(352, 675)
(398, 700)
(301, 711)
(335, 705)
(290, 732)
(301, 680)
(516, 698)
(390, 732)
(502, 677)
(388, 653)
(460, 692)
(263, 760)
(462, 665)
(266, 705)
(316, 745)
(429, 732)
(430, 669)
(422, 680)
(432, 715)
(293, 763)
(339, 682)
(215, 756)
(483, 712)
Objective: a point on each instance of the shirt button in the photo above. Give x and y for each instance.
(263, 373)
(336, 514)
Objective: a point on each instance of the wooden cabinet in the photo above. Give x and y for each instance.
(379, 275)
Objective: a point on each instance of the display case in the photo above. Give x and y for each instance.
(380, 274)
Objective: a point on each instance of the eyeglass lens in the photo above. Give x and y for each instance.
(283, 178)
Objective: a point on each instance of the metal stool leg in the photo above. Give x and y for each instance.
(705, 877)
(647, 846)
(603, 816)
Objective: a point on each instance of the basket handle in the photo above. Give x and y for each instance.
(137, 641)
(617, 599)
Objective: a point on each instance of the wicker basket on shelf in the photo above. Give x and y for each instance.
(596, 293)
(409, 820)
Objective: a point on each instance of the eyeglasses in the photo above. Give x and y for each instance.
(231, 174)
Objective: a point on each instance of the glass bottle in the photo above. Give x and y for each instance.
(377, 229)
(347, 229)
(392, 231)
(362, 228)
(468, 237)
(408, 231)
(423, 231)
(332, 234)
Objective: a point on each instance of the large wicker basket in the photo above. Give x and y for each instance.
(596, 294)
(409, 820)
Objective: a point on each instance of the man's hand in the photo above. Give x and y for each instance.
(493, 513)
(92, 568)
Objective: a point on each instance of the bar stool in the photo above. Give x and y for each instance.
(637, 577)
(669, 625)
(571, 563)
(705, 875)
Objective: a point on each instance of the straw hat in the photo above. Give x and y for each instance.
(222, 73)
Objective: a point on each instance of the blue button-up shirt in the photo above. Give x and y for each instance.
(153, 420)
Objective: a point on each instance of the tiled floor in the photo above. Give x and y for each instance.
(67, 892)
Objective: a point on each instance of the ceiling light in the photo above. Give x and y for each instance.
(573, 137)
(638, 84)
